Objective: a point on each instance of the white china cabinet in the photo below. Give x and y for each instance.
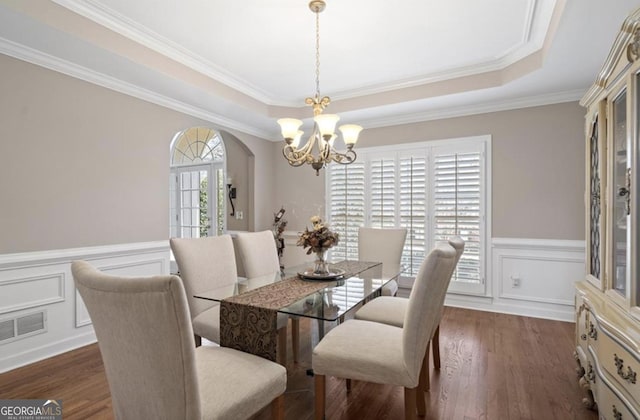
(608, 299)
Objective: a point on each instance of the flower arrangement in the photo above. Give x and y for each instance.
(319, 238)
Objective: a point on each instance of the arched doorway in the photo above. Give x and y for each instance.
(197, 184)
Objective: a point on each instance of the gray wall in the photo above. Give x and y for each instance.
(81, 165)
(538, 169)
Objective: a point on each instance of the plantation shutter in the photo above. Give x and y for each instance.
(458, 210)
(346, 201)
(382, 183)
(413, 208)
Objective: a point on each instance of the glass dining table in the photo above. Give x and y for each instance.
(249, 307)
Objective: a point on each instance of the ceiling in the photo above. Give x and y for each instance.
(242, 64)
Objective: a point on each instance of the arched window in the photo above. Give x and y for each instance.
(196, 183)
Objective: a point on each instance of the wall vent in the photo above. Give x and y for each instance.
(22, 326)
(6, 330)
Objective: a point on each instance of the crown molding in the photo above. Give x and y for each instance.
(126, 27)
(462, 111)
(39, 58)
(59, 65)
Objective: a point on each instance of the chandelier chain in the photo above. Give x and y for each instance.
(317, 54)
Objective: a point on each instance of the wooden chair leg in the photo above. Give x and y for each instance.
(348, 384)
(435, 343)
(320, 397)
(282, 346)
(424, 372)
(422, 388)
(410, 403)
(277, 408)
(295, 338)
(198, 340)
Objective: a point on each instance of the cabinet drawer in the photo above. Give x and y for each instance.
(610, 407)
(620, 364)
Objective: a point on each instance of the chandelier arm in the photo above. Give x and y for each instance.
(344, 158)
(293, 157)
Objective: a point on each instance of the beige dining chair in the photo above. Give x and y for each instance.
(152, 367)
(385, 246)
(258, 254)
(391, 310)
(204, 264)
(386, 354)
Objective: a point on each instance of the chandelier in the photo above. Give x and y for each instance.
(322, 137)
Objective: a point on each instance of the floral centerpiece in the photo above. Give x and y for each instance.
(319, 240)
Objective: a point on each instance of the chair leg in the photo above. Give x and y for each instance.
(277, 408)
(410, 403)
(295, 338)
(435, 343)
(198, 340)
(282, 346)
(348, 384)
(420, 403)
(424, 372)
(320, 397)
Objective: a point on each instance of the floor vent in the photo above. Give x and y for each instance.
(22, 326)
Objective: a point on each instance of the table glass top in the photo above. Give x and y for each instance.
(329, 303)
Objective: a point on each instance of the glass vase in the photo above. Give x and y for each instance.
(321, 267)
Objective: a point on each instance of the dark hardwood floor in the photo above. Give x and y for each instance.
(494, 366)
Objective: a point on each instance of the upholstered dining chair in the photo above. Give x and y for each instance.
(152, 367)
(205, 263)
(391, 310)
(259, 257)
(385, 246)
(386, 354)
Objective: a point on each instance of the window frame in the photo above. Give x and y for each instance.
(480, 144)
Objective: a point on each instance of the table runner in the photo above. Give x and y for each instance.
(248, 322)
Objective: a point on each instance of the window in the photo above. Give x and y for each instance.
(196, 184)
(434, 189)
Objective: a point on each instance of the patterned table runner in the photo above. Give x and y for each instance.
(248, 322)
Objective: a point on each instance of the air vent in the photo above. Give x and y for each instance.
(22, 326)
(30, 323)
(6, 330)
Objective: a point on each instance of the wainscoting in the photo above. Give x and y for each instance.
(41, 314)
(530, 277)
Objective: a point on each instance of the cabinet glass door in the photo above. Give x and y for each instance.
(594, 209)
(620, 190)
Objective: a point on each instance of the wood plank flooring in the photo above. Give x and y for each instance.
(494, 366)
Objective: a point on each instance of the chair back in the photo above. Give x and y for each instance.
(258, 253)
(146, 341)
(204, 263)
(383, 245)
(458, 245)
(425, 304)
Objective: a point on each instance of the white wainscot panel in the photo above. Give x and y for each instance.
(537, 276)
(18, 292)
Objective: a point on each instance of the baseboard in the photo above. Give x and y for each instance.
(41, 283)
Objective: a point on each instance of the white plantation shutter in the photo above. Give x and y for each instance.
(413, 209)
(434, 189)
(382, 187)
(458, 203)
(346, 201)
